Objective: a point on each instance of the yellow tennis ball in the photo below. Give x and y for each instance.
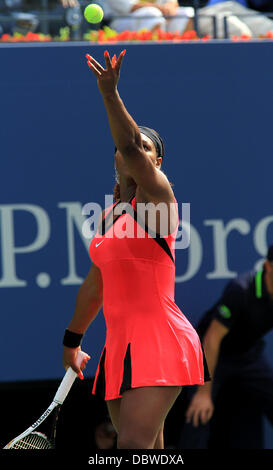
(93, 13)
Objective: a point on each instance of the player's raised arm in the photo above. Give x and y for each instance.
(126, 134)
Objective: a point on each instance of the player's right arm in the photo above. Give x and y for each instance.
(201, 407)
(88, 305)
(88, 301)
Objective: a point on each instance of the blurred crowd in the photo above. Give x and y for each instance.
(216, 18)
(22, 16)
(241, 16)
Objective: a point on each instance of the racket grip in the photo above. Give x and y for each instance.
(68, 381)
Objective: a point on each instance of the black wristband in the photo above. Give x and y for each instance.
(71, 339)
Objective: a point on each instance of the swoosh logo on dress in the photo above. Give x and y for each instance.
(97, 244)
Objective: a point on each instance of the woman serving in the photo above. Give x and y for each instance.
(151, 350)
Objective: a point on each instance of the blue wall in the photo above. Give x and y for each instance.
(212, 103)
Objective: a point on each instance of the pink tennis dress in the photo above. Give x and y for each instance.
(149, 341)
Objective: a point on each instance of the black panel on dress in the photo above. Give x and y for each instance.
(156, 236)
(127, 371)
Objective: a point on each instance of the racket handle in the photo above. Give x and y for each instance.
(68, 381)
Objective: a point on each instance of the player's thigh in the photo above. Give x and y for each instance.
(159, 441)
(114, 410)
(143, 411)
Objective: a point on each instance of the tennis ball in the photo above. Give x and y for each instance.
(93, 13)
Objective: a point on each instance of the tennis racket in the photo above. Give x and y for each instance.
(31, 439)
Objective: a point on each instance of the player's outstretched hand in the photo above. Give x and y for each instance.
(107, 77)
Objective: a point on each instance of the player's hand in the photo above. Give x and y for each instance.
(200, 409)
(107, 77)
(70, 360)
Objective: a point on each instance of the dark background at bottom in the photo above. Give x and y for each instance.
(22, 403)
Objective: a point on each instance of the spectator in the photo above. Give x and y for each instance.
(135, 15)
(23, 15)
(70, 14)
(69, 3)
(232, 335)
(241, 18)
(21, 21)
(261, 5)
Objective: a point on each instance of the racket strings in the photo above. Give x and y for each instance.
(34, 441)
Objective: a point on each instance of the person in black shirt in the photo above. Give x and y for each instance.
(232, 336)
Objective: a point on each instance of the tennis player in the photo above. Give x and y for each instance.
(151, 349)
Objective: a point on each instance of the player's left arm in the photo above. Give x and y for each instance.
(126, 135)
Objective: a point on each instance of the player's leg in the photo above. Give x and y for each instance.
(114, 409)
(143, 411)
(159, 442)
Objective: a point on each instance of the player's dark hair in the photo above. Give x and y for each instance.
(159, 146)
(116, 192)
